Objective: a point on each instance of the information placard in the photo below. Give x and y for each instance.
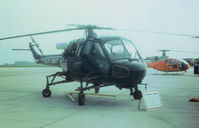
(152, 99)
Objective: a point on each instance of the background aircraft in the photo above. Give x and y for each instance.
(166, 64)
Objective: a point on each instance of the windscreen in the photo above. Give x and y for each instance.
(121, 49)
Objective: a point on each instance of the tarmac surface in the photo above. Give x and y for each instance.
(22, 105)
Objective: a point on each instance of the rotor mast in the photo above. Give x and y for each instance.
(90, 33)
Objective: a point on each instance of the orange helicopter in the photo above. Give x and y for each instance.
(166, 64)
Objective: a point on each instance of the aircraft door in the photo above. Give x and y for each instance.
(94, 59)
(99, 59)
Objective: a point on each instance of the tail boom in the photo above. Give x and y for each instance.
(53, 60)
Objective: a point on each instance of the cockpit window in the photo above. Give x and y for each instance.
(172, 62)
(116, 49)
(121, 49)
(131, 49)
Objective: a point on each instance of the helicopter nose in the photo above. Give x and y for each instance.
(138, 72)
(188, 66)
(128, 73)
(124, 69)
(184, 66)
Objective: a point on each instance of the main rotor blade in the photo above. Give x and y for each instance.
(186, 52)
(40, 33)
(164, 50)
(167, 50)
(89, 26)
(84, 27)
(162, 33)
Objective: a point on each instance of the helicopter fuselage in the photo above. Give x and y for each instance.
(169, 65)
(105, 60)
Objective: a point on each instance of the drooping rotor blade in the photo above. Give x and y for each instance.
(164, 50)
(167, 50)
(186, 52)
(40, 33)
(162, 33)
(78, 27)
(91, 27)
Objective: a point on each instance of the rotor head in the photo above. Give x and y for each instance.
(164, 51)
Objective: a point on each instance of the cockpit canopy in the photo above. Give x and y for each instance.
(121, 49)
(112, 48)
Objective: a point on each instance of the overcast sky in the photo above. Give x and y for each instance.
(29, 16)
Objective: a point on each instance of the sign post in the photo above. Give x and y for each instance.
(151, 100)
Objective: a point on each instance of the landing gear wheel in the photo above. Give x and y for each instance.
(81, 98)
(46, 93)
(97, 89)
(137, 94)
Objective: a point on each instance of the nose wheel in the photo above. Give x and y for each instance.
(46, 93)
(137, 94)
(81, 95)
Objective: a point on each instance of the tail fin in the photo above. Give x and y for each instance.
(36, 44)
(34, 53)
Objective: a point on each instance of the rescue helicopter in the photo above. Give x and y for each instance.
(93, 61)
(166, 64)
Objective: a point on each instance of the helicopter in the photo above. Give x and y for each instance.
(96, 61)
(166, 64)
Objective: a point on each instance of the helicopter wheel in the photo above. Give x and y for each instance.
(97, 89)
(137, 94)
(46, 93)
(81, 98)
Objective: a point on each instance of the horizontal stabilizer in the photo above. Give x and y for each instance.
(21, 49)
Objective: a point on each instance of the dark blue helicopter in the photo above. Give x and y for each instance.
(96, 61)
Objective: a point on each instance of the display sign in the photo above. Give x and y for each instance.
(152, 99)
